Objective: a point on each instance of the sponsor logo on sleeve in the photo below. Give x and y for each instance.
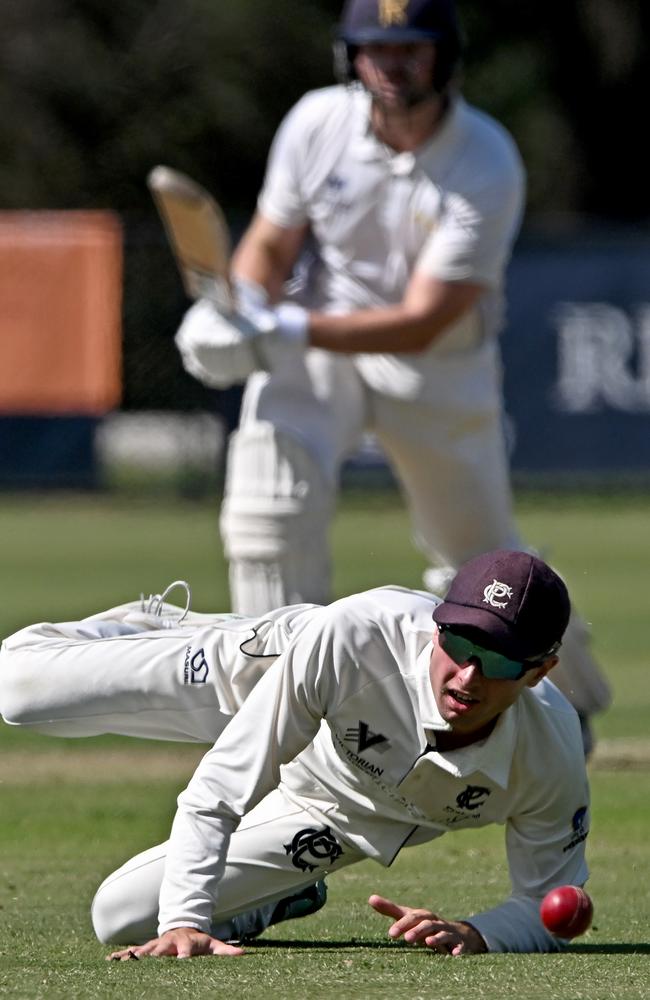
(335, 183)
(579, 828)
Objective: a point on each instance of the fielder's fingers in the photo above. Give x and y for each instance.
(410, 921)
(420, 931)
(127, 954)
(227, 950)
(182, 944)
(214, 948)
(444, 942)
(171, 949)
(386, 906)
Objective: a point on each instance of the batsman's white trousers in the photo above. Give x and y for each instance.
(278, 849)
(444, 440)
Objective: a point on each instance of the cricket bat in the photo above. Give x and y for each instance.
(197, 233)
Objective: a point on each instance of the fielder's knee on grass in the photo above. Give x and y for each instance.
(112, 925)
(125, 907)
(274, 522)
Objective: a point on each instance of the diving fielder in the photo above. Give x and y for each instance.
(409, 200)
(372, 728)
(369, 734)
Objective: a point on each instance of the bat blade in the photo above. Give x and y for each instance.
(197, 233)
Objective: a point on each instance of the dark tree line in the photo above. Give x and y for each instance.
(92, 94)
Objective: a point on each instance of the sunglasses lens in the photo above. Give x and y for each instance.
(501, 668)
(493, 665)
(458, 649)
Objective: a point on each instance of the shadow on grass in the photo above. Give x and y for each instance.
(323, 945)
(640, 948)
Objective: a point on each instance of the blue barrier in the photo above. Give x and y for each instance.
(576, 353)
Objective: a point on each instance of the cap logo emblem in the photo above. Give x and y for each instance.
(392, 12)
(496, 590)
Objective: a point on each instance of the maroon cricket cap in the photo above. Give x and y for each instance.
(519, 604)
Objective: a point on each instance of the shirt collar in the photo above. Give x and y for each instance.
(367, 148)
(491, 756)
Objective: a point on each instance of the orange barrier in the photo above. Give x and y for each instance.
(60, 312)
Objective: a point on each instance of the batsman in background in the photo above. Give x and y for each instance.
(408, 201)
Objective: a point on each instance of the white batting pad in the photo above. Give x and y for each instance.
(274, 521)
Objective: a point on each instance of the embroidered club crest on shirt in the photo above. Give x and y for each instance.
(473, 797)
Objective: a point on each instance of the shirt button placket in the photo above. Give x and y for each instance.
(400, 186)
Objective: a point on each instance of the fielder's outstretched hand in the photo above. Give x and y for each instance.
(449, 937)
(182, 942)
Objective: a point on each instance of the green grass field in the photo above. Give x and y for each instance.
(70, 811)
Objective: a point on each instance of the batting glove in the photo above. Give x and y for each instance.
(287, 320)
(221, 351)
(217, 350)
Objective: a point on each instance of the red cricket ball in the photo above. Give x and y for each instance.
(567, 911)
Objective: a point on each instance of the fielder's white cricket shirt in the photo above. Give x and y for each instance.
(344, 719)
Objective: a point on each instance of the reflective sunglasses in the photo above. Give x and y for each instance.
(493, 665)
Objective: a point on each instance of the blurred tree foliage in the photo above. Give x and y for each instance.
(92, 94)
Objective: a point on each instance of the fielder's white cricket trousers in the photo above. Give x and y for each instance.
(123, 672)
(278, 849)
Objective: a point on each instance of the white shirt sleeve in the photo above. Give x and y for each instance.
(473, 241)
(515, 926)
(280, 199)
(542, 854)
(279, 719)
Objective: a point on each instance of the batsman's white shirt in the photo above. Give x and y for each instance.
(451, 209)
(342, 722)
